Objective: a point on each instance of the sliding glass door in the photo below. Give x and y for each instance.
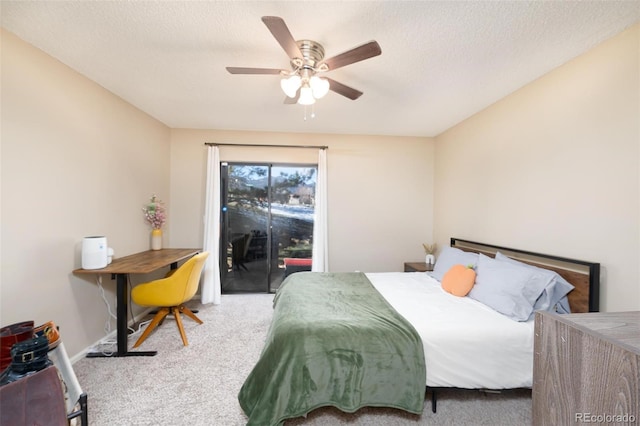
(267, 220)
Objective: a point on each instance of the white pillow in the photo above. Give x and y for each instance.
(510, 289)
(450, 256)
(554, 295)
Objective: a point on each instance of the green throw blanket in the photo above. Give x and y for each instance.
(334, 340)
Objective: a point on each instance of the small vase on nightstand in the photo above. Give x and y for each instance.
(430, 259)
(156, 239)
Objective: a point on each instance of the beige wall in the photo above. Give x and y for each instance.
(555, 168)
(76, 161)
(380, 191)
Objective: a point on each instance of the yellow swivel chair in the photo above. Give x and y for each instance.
(169, 294)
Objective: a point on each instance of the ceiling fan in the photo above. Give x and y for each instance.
(302, 83)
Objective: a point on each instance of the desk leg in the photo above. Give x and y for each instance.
(121, 314)
(122, 330)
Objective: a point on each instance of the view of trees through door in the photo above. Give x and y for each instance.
(267, 220)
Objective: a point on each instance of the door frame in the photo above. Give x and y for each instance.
(224, 217)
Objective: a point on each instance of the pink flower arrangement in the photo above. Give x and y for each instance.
(155, 213)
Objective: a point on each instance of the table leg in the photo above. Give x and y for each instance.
(121, 314)
(122, 330)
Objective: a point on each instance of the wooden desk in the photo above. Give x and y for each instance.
(139, 263)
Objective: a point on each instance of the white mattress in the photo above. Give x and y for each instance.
(466, 343)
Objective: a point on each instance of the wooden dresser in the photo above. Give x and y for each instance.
(585, 368)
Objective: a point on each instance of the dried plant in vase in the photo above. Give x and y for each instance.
(430, 250)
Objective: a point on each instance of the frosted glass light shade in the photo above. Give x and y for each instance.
(319, 86)
(306, 96)
(291, 85)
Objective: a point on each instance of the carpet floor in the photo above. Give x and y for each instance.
(198, 384)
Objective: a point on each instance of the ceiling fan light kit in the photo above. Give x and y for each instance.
(302, 84)
(291, 85)
(310, 88)
(319, 86)
(306, 96)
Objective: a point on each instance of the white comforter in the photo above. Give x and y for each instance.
(466, 343)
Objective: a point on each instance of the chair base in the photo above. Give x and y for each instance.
(159, 318)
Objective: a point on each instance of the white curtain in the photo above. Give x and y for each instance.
(210, 290)
(320, 262)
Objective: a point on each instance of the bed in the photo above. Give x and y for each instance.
(351, 340)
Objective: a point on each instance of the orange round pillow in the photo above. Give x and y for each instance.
(459, 280)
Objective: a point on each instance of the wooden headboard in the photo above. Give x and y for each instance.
(583, 275)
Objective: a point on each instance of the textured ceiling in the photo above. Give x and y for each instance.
(441, 62)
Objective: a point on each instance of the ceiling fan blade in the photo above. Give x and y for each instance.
(282, 34)
(241, 70)
(346, 91)
(357, 54)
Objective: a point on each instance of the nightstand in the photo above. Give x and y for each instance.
(417, 267)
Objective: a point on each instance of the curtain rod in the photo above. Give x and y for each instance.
(265, 146)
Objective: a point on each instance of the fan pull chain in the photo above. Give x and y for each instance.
(313, 112)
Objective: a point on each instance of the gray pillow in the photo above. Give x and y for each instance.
(510, 289)
(554, 295)
(450, 256)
